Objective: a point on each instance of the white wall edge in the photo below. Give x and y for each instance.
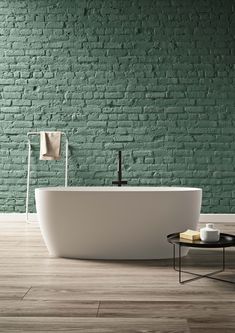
(17, 217)
(204, 218)
(217, 218)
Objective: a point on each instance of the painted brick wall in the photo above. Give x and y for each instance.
(154, 78)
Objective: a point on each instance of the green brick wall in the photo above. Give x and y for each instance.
(154, 78)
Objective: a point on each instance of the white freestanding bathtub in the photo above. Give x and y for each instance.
(115, 222)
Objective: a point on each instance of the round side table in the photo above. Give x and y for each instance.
(226, 240)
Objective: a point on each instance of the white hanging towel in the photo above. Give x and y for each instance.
(50, 145)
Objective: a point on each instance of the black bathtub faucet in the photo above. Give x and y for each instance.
(119, 182)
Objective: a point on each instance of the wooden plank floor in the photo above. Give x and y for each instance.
(43, 294)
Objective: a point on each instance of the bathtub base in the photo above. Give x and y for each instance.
(184, 253)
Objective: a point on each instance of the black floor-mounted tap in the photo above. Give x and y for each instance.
(119, 182)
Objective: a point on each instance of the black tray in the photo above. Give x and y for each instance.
(225, 240)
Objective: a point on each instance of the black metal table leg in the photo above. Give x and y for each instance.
(180, 269)
(197, 276)
(223, 258)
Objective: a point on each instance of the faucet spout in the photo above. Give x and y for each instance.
(119, 182)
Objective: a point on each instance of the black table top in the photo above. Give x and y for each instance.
(226, 240)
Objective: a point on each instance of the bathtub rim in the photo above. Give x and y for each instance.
(156, 189)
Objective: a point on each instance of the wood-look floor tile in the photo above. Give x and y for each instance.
(212, 324)
(94, 325)
(159, 290)
(25, 308)
(201, 311)
(11, 292)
